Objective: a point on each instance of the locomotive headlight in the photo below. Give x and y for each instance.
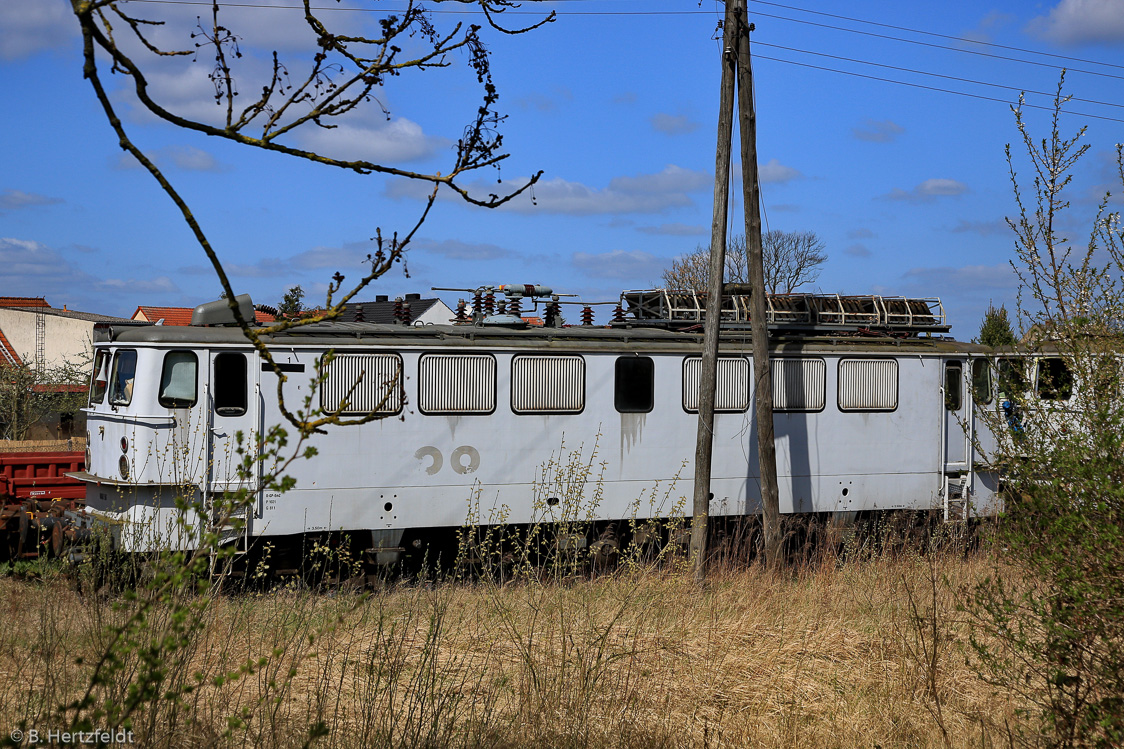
(123, 465)
(124, 445)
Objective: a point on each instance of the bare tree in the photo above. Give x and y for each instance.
(792, 260)
(264, 105)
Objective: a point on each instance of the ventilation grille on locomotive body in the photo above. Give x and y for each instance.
(731, 388)
(799, 384)
(868, 385)
(363, 383)
(457, 384)
(547, 384)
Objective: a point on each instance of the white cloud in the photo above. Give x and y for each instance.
(1075, 22)
(643, 193)
(991, 22)
(928, 191)
(966, 278)
(860, 233)
(675, 230)
(857, 250)
(397, 141)
(878, 131)
(30, 26)
(670, 180)
(11, 200)
(671, 124)
(772, 171)
(983, 228)
(158, 285)
(454, 249)
(30, 268)
(631, 265)
(185, 158)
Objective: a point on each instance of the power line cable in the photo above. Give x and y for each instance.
(930, 88)
(934, 75)
(939, 36)
(439, 11)
(942, 46)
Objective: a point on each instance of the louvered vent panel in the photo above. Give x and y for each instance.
(732, 391)
(456, 384)
(376, 379)
(798, 384)
(547, 384)
(868, 385)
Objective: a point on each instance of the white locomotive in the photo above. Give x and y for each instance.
(874, 412)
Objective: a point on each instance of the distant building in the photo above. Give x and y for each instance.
(181, 315)
(431, 311)
(33, 332)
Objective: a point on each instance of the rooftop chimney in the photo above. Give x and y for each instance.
(382, 298)
(413, 297)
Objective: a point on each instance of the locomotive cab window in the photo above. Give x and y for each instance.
(228, 385)
(100, 381)
(1054, 381)
(121, 381)
(981, 381)
(178, 379)
(1012, 378)
(635, 388)
(953, 387)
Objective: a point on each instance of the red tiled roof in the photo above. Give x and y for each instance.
(23, 301)
(182, 315)
(8, 354)
(170, 315)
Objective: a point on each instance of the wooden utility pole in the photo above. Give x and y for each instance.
(762, 368)
(736, 61)
(708, 369)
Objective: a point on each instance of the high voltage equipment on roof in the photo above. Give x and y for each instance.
(788, 313)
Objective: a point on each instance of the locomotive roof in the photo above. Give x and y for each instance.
(349, 334)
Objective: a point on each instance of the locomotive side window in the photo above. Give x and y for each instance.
(953, 387)
(635, 387)
(981, 381)
(367, 382)
(1012, 378)
(868, 385)
(799, 384)
(178, 379)
(457, 384)
(547, 384)
(1054, 380)
(100, 381)
(121, 381)
(228, 385)
(731, 393)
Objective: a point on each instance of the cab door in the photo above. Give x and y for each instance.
(957, 428)
(233, 431)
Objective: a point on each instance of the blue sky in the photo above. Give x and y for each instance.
(616, 101)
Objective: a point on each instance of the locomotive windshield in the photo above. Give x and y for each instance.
(121, 383)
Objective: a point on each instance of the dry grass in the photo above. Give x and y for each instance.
(827, 657)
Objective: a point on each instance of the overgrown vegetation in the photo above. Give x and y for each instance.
(28, 394)
(823, 655)
(1049, 621)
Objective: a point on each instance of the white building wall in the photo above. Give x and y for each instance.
(66, 339)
